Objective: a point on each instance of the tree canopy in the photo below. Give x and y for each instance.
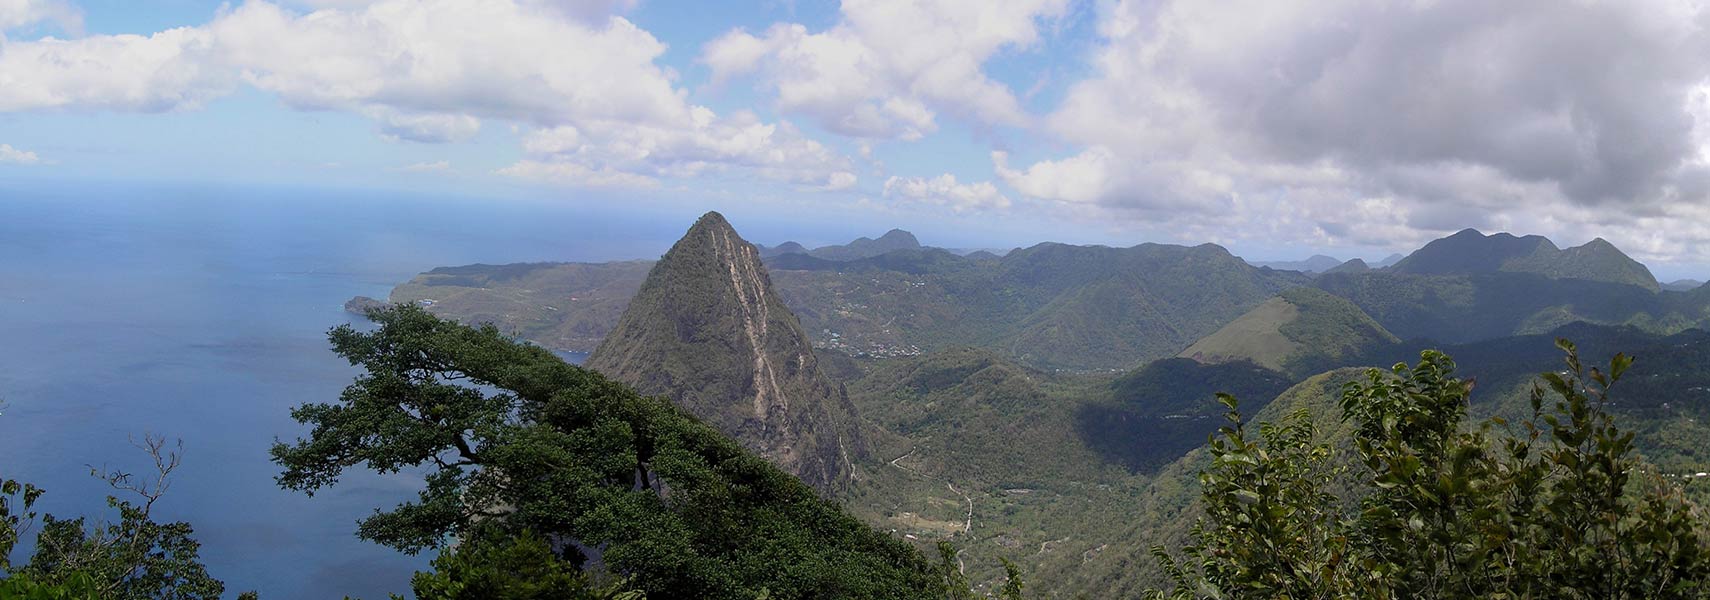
(1557, 506)
(513, 439)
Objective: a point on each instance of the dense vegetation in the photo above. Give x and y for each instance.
(1469, 252)
(1160, 411)
(545, 480)
(977, 449)
(133, 558)
(1556, 506)
(994, 437)
(1301, 332)
(514, 441)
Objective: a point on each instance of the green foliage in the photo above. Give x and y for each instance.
(958, 587)
(1271, 529)
(17, 513)
(1548, 509)
(513, 440)
(77, 586)
(134, 558)
(523, 567)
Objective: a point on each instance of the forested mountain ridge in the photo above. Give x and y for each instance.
(1470, 252)
(863, 247)
(1051, 305)
(1094, 307)
(1664, 400)
(1459, 308)
(986, 400)
(706, 330)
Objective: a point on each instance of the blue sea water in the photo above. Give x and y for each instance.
(199, 314)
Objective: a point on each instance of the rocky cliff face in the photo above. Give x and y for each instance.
(707, 330)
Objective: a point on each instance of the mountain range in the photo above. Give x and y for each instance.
(1047, 406)
(891, 241)
(1319, 263)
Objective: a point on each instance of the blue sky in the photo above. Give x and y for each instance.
(1278, 129)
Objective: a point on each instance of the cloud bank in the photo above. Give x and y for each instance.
(432, 71)
(1361, 122)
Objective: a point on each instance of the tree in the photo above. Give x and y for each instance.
(497, 567)
(133, 558)
(512, 439)
(1549, 509)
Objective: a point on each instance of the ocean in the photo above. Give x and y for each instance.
(199, 313)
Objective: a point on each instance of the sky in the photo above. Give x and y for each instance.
(1276, 128)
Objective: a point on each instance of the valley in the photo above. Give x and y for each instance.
(1049, 406)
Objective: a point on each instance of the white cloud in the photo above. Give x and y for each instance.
(887, 67)
(426, 167)
(8, 154)
(586, 82)
(1081, 178)
(570, 173)
(943, 190)
(707, 144)
(169, 70)
(840, 180)
(425, 128)
(1290, 120)
(21, 13)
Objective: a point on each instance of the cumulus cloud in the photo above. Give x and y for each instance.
(431, 71)
(888, 67)
(8, 154)
(840, 180)
(706, 144)
(1445, 113)
(172, 69)
(944, 191)
(21, 13)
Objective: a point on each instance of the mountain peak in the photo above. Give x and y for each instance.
(865, 247)
(899, 236)
(707, 330)
(1468, 252)
(711, 220)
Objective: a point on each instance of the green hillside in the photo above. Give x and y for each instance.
(1469, 252)
(1154, 414)
(1664, 399)
(1167, 508)
(975, 448)
(1301, 331)
(1051, 306)
(565, 306)
(1466, 308)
